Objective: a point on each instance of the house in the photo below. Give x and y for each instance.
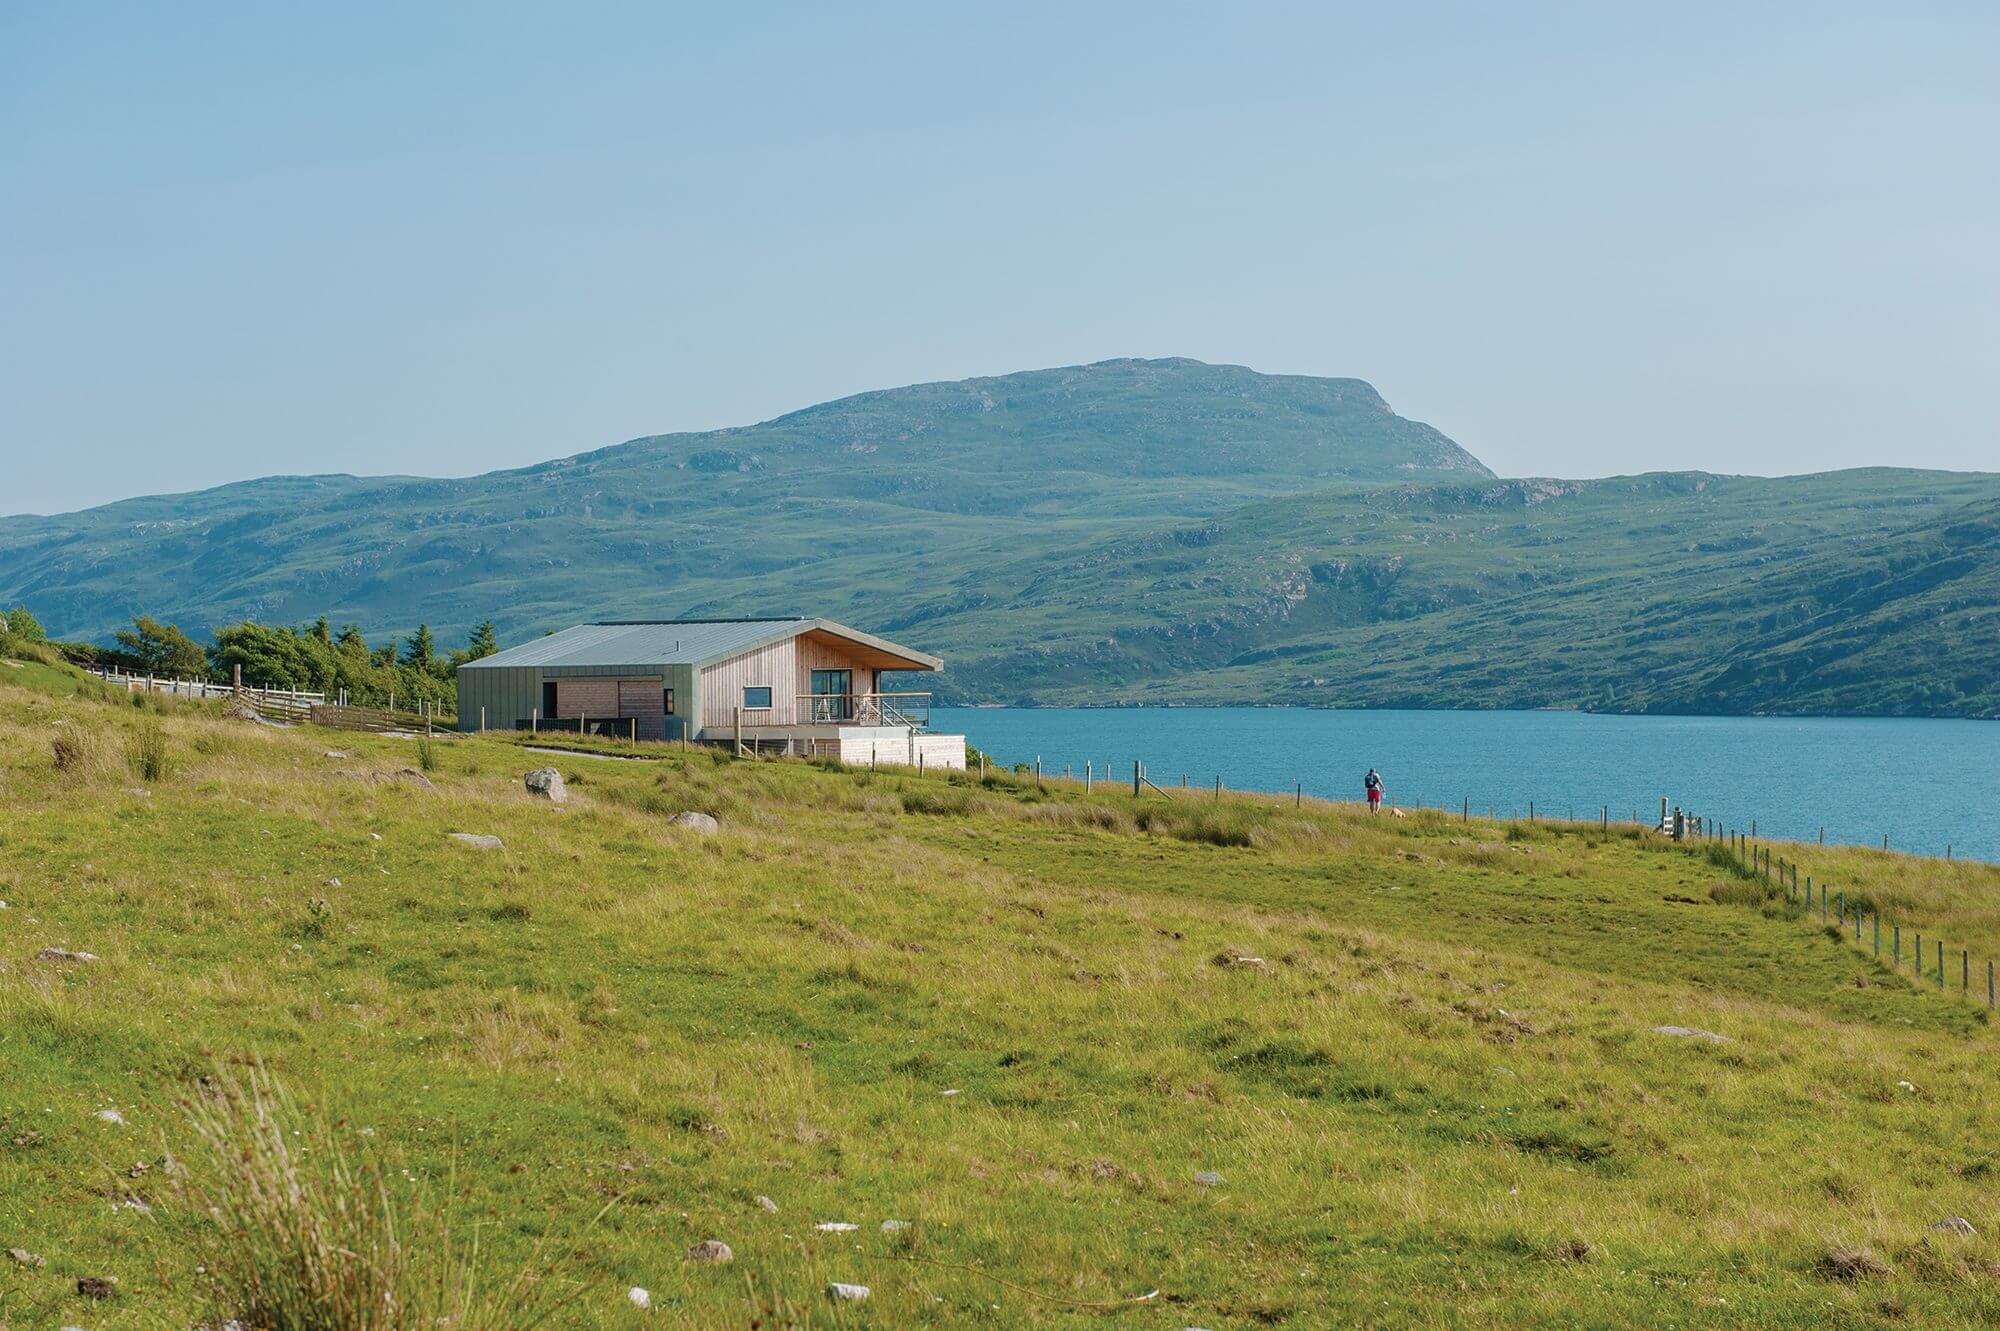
(799, 686)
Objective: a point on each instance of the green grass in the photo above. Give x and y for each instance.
(1420, 1052)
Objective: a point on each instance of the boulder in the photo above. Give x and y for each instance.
(767, 1203)
(639, 1297)
(694, 822)
(479, 841)
(63, 954)
(548, 783)
(1955, 1224)
(1691, 1033)
(22, 1257)
(847, 1293)
(712, 1251)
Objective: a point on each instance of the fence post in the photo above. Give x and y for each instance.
(1298, 794)
(1218, 787)
(1465, 812)
(1087, 774)
(1138, 775)
(535, 722)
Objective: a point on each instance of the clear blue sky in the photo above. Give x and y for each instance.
(433, 239)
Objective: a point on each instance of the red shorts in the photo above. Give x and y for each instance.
(1374, 797)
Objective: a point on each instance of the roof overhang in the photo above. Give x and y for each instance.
(873, 652)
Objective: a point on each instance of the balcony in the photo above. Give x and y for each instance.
(865, 709)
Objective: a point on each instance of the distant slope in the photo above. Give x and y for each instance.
(1127, 532)
(1860, 592)
(838, 501)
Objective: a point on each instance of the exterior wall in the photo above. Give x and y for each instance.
(892, 746)
(722, 685)
(512, 695)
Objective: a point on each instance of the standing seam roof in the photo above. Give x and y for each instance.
(686, 642)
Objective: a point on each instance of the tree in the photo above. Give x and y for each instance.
(323, 631)
(162, 649)
(20, 624)
(422, 651)
(484, 642)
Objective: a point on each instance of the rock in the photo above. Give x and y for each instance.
(130, 1203)
(63, 954)
(548, 783)
(333, 882)
(374, 836)
(1208, 1178)
(96, 1287)
(639, 1297)
(1692, 1033)
(22, 1257)
(694, 822)
(479, 841)
(713, 1251)
(835, 1227)
(894, 1226)
(767, 1203)
(1236, 956)
(953, 1091)
(1906, 1085)
(847, 1293)
(1955, 1224)
(111, 1116)
(338, 754)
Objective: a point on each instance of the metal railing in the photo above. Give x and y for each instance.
(865, 709)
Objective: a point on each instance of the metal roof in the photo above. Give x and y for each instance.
(675, 642)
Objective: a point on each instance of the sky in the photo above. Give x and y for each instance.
(437, 240)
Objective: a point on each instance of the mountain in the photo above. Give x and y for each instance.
(1124, 532)
(842, 501)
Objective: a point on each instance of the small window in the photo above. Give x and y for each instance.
(667, 703)
(757, 697)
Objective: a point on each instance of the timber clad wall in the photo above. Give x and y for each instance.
(722, 687)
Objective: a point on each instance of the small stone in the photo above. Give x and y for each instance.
(1906, 1085)
(548, 783)
(479, 841)
(110, 1116)
(713, 1251)
(694, 822)
(1955, 1224)
(835, 1227)
(22, 1257)
(847, 1293)
(333, 882)
(767, 1203)
(894, 1226)
(374, 836)
(953, 1091)
(96, 1287)
(1208, 1178)
(63, 954)
(131, 1203)
(1692, 1033)
(338, 754)
(639, 1297)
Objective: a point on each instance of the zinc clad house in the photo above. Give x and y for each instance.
(798, 686)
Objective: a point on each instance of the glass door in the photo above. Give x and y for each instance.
(833, 695)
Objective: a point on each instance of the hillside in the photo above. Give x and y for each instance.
(1851, 592)
(1127, 532)
(861, 502)
(1288, 1067)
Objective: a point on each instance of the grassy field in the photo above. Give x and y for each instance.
(1284, 1066)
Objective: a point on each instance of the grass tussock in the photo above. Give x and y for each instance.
(75, 749)
(147, 753)
(306, 1232)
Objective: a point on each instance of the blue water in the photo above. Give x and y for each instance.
(1925, 784)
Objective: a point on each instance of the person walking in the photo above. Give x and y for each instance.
(1373, 784)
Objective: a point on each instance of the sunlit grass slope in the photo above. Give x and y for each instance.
(1419, 1054)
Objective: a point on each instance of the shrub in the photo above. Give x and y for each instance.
(146, 752)
(427, 757)
(302, 1232)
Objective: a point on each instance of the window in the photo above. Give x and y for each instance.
(668, 703)
(756, 697)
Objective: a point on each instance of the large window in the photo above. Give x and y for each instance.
(757, 697)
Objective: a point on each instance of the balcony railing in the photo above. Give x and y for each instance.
(865, 709)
